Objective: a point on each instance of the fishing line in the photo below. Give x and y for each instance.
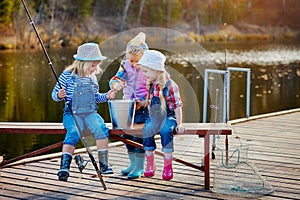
(215, 107)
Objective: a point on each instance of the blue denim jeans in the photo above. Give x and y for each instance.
(92, 121)
(159, 122)
(84, 113)
(166, 134)
(140, 117)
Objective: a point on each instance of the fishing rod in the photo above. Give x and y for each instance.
(226, 96)
(83, 140)
(215, 107)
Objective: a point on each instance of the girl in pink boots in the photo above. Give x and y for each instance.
(165, 112)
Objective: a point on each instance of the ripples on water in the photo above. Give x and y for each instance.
(246, 58)
(26, 83)
(275, 76)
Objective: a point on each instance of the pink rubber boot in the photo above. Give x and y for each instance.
(167, 173)
(150, 165)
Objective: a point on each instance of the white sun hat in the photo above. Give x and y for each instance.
(153, 59)
(89, 52)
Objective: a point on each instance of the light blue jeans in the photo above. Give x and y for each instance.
(162, 123)
(92, 121)
(166, 134)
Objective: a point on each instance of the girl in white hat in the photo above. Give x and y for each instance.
(79, 88)
(131, 79)
(165, 112)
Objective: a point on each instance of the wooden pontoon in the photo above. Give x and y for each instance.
(274, 149)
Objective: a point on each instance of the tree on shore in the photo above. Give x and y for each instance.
(60, 21)
(6, 11)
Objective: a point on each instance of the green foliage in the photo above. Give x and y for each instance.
(229, 12)
(67, 19)
(156, 12)
(84, 8)
(176, 12)
(6, 10)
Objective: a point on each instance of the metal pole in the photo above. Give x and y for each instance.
(229, 69)
(227, 96)
(248, 94)
(205, 96)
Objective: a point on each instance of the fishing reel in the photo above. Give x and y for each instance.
(80, 162)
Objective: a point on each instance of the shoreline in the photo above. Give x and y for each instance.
(211, 34)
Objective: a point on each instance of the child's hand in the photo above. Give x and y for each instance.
(118, 86)
(61, 93)
(180, 129)
(140, 103)
(111, 94)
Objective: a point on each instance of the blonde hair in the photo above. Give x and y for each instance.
(133, 50)
(82, 68)
(162, 83)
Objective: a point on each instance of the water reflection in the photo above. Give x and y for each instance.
(26, 82)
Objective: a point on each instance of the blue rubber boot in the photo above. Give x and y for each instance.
(103, 161)
(126, 171)
(63, 172)
(138, 170)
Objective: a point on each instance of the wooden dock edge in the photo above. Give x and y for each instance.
(256, 117)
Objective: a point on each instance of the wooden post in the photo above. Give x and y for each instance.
(1, 160)
(206, 162)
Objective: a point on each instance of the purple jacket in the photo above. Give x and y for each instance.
(135, 81)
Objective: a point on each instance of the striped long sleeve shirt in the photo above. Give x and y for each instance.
(67, 81)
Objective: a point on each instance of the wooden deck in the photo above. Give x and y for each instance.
(274, 149)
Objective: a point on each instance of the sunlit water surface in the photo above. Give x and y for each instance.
(26, 82)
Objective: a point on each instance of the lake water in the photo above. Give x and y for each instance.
(26, 82)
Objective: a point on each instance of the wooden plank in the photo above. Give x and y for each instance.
(32, 128)
(121, 186)
(274, 154)
(200, 129)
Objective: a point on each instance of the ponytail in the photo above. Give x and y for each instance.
(162, 84)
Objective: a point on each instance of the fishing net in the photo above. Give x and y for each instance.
(234, 174)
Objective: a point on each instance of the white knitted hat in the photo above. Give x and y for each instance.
(89, 52)
(139, 40)
(153, 59)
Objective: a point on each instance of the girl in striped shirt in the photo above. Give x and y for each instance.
(79, 88)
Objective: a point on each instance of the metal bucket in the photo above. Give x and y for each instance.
(122, 113)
